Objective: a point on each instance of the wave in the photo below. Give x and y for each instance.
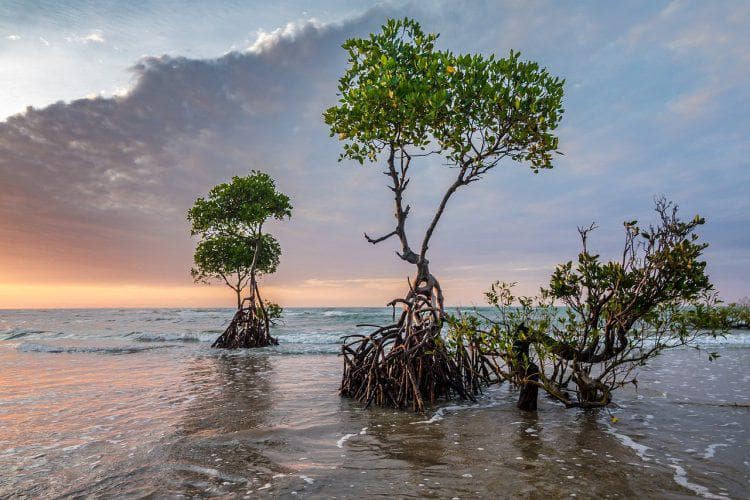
(339, 313)
(58, 349)
(213, 473)
(441, 412)
(305, 349)
(290, 313)
(640, 449)
(681, 478)
(347, 437)
(737, 338)
(309, 338)
(204, 336)
(280, 350)
(17, 333)
(166, 338)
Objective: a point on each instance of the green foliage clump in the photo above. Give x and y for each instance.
(736, 314)
(239, 207)
(220, 256)
(732, 316)
(400, 91)
(274, 312)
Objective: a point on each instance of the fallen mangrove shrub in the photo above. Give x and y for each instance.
(597, 322)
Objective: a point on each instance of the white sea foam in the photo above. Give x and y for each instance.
(213, 473)
(711, 449)
(680, 477)
(640, 449)
(344, 439)
(338, 313)
(310, 338)
(440, 413)
(305, 349)
(347, 437)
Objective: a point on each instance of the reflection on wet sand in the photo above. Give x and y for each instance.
(231, 393)
(217, 447)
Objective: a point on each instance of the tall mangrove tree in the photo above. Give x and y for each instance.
(402, 100)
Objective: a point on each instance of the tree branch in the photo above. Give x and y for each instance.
(382, 238)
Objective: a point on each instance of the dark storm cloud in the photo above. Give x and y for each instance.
(98, 180)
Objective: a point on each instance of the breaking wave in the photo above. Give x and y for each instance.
(62, 349)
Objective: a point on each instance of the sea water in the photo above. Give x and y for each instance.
(134, 402)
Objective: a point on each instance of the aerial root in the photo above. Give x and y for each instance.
(247, 329)
(407, 364)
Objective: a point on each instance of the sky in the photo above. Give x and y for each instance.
(115, 116)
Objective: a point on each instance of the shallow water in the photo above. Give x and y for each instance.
(135, 403)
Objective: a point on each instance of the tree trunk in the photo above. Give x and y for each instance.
(526, 373)
(407, 363)
(250, 326)
(591, 392)
(528, 395)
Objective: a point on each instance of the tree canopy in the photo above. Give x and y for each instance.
(400, 91)
(229, 258)
(239, 207)
(403, 98)
(616, 315)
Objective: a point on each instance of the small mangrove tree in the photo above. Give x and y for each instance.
(233, 249)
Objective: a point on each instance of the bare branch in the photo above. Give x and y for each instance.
(382, 238)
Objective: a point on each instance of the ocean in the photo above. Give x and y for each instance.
(135, 403)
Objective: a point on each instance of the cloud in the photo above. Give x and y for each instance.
(267, 41)
(13, 38)
(376, 283)
(693, 104)
(95, 190)
(95, 36)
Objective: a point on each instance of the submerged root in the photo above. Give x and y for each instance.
(407, 364)
(247, 329)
